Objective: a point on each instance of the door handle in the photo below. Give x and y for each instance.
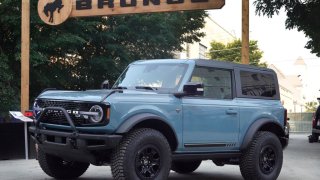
(231, 112)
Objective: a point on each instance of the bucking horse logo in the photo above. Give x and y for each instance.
(50, 8)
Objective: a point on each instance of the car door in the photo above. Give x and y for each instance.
(211, 121)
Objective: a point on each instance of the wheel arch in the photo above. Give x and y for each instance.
(148, 120)
(263, 125)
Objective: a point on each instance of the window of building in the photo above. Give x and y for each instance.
(217, 82)
(202, 51)
(257, 84)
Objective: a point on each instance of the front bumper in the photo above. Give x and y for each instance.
(74, 145)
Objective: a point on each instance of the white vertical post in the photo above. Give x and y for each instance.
(26, 140)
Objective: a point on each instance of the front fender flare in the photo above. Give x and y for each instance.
(136, 119)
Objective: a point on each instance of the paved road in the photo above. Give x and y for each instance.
(301, 161)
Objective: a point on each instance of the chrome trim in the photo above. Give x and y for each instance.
(88, 113)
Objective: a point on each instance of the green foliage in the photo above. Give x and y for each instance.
(8, 87)
(83, 52)
(232, 52)
(303, 15)
(311, 106)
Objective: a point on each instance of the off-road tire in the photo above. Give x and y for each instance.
(185, 167)
(127, 157)
(59, 168)
(265, 151)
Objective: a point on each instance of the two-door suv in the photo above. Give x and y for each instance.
(163, 115)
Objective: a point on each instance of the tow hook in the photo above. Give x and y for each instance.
(73, 143)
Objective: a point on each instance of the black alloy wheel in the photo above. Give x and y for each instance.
(148, 162)
(267, 159)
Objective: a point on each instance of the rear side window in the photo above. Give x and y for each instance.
(257, 84)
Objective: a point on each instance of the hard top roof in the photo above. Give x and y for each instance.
(205, 62)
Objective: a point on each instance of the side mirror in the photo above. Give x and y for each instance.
(105, 85)
(191, 89)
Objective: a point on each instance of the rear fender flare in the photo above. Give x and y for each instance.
(255, 127)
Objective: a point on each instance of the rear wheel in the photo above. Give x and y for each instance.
(263, 158)
(184, 167)
(59, 168)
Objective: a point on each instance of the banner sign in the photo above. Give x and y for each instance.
(55, 12)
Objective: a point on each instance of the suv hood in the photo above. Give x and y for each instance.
(88, 95)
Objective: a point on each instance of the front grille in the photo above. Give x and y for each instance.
(57, 117)
(66, 105)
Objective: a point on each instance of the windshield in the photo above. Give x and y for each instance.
(152, 76)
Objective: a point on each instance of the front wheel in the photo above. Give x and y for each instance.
(142, 154)
(263, 158)
(59, 168)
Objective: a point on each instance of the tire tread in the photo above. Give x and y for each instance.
(247, 161)
(119, 153)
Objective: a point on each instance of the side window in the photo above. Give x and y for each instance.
(257, 84)
(217, 82)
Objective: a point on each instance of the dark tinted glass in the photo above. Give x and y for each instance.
(257, 84)
(217, 82)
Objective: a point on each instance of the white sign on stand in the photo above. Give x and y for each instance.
(21, 117)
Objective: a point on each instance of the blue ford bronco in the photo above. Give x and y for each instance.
(163, 115)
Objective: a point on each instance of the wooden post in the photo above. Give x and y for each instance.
(25, 48)
(245, 32)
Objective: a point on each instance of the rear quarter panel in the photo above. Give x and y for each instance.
(252, 110)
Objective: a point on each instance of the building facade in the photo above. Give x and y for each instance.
(291, 91)
(199, 50)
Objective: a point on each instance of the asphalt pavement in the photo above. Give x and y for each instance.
(301, 162)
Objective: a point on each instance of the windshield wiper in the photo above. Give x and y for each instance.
(120, 87)
(146, 87)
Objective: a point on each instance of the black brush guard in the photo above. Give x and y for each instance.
(72, 145)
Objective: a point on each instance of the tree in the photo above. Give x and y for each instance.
(311, 106)
(82, 52)
(232, 52)
(303, 15)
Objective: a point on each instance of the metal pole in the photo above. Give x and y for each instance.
(245, 32)
(25, 50)
(26, 147)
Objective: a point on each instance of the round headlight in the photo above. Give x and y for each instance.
(96, 118)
